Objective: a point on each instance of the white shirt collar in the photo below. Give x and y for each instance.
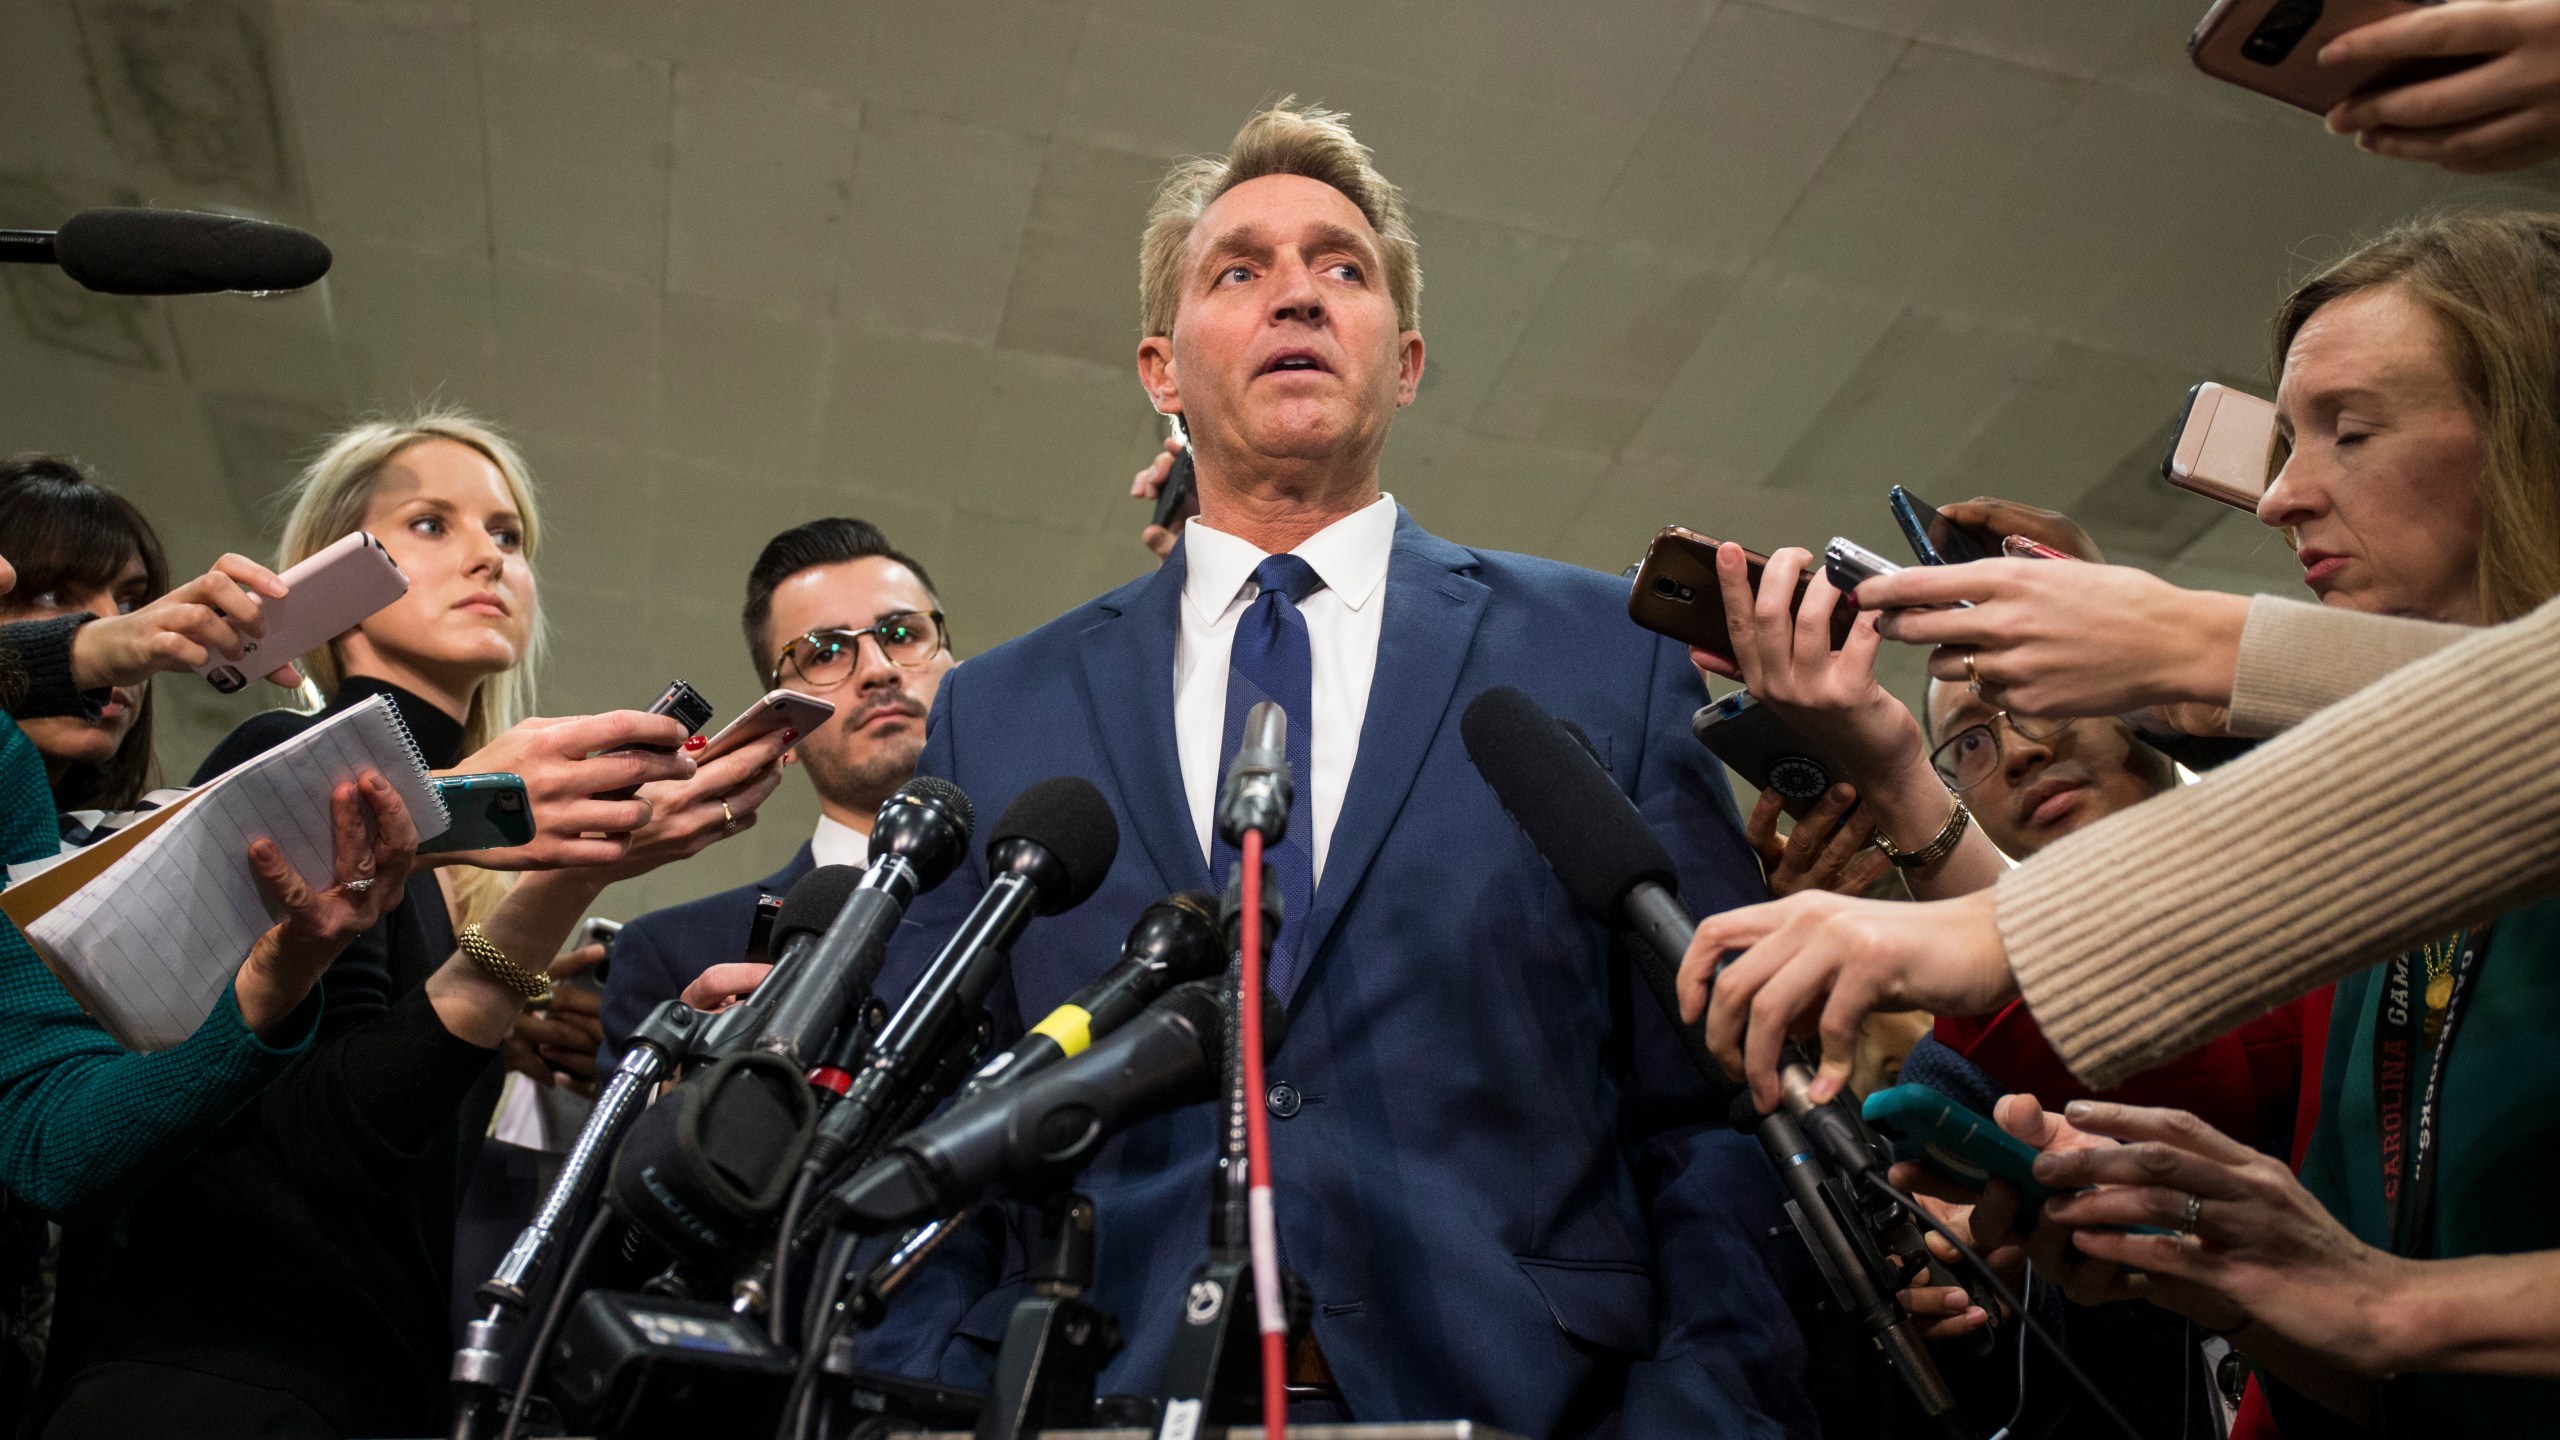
(1350, 556)
(837, 843)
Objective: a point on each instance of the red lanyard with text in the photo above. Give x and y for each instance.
(2408, 1139)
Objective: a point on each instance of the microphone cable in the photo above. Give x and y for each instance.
(1973, 1260)
(551, 1316)
(1271, 1305)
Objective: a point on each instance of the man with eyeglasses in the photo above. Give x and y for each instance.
(835, 611)
(2030, 781)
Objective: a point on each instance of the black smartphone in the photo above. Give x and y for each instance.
(683, 702)
(1179, 500)
(1934, 538)
(489, 812)
(1764, 750)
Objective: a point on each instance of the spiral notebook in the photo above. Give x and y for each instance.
(146, 927)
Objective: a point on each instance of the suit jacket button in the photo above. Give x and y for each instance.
(1283, 1100)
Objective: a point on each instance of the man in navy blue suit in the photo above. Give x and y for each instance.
(833, 610)
(1510, 1199)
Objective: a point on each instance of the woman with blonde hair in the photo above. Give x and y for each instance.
(295, 1276)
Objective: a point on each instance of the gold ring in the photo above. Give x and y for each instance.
(1972, 677)
(728, 818)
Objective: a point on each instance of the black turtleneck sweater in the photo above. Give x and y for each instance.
(308, 1247)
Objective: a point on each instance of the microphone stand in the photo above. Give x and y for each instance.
(1056, 1341)
(662, 1040)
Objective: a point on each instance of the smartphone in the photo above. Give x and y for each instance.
(490, 812)
(1179, 500)
(1764, 750)
(2019, 547)
(778, 710)
(1934, 538)
(332, 591)
(1675, 592)
(1961, 1144)
(683, 702)
(2273, 47)
(1851, 564)
(2225, 446)
(594, 930)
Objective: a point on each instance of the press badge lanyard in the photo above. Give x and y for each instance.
(2409, 1139)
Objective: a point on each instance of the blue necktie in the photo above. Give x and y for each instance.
(1270, 662)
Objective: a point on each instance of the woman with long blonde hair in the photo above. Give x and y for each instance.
(296, 1273)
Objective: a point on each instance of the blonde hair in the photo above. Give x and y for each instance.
(2492, 282)
(1287, 139)
(328, 500)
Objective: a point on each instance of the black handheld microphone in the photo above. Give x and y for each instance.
(1616, 870)
(125, 250)
(1591, 833)
(1257, 791)
(808, 912)
(917, 841)
(1176, 941)
(1043, 1130)
(1051, 849)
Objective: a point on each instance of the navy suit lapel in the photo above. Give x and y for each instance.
(1430, 622)
(1128, 696)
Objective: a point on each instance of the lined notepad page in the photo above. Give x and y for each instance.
(150, 944)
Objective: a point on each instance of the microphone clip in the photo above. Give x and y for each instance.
(1258, 789)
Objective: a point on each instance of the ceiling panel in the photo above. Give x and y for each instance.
(578, 151)
(728, 266)
(762, 172)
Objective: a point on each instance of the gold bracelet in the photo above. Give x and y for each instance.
(534, 986)
(1937, 849)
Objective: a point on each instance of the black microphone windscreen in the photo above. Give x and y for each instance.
(812, 904)
(1067, 817)
(1576, 816)
(133, 251)
(933, 789)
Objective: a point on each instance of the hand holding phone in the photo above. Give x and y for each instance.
(684, 703)
(328, 594)
(778, 710)
(1959, 1143)
(2273, 47)
(489, 812)
(1934, 538)
(2225, 448)
(1677, 593)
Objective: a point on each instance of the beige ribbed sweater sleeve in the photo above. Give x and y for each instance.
(2297, 658)
(2408, 809)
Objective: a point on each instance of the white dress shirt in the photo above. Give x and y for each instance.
(837, 843)
(1343, 618)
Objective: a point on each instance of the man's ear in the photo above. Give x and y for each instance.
(1156, 374)
(1408, 367)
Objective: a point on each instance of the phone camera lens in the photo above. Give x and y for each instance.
(2282, 30)
(1670, 589)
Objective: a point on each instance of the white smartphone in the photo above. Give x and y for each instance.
(330, 593)
(2225, 446)
(778, 710)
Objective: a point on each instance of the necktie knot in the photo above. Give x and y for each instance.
(1288, 575)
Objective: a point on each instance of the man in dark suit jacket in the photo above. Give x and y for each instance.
(835, 611)
(1511, 1199)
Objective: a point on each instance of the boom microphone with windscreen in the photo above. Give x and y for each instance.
(807, 911)
(918, 839)
(1177, 940)
(1050, 849)
(129, 250)
(1046, 1128)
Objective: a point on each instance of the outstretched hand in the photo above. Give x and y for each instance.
(1829, 849)
(2502, 113)
(216, 613)
(1818, 963)
(1147, 484)
(375, 845)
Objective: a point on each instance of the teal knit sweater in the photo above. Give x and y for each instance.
(83, 1120)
